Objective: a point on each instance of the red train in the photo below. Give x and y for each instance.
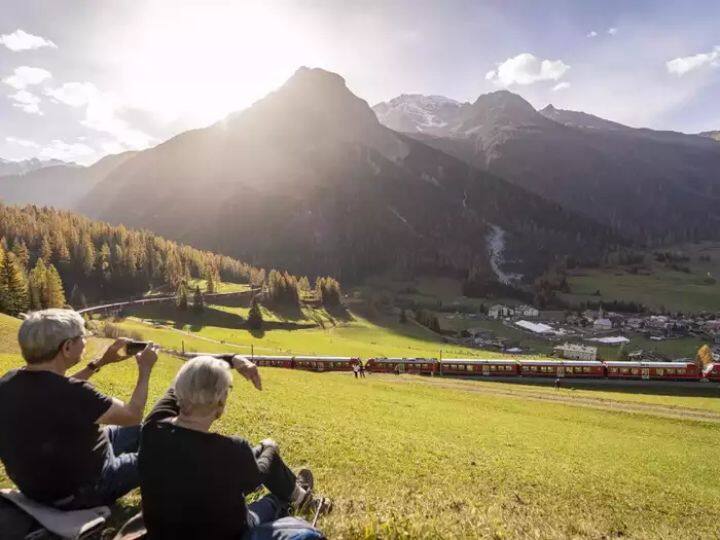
(476, 367)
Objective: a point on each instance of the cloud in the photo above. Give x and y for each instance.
(592, 34)
(24, 76)
(75, 94)
(20, 40)
(561, 86)
(26, 101)
(525, 69)
(22, 142)
(63, 151)
(101, 113)
(685, 64)
(612, 31)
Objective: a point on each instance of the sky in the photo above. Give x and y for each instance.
(82, 79)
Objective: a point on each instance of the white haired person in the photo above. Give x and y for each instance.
(51, 440)
(194, 482)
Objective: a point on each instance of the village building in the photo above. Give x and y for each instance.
(500, 311)
(575, 351)
(602, 324)
(527, 311)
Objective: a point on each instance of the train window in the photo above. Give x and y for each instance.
(624, 370)
(681, 371)
(670, 371)
(660, 372)
(634, 371)
(586, 370)
(469, 367)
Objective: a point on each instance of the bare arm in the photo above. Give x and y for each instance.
(131, 413)
(110, 356)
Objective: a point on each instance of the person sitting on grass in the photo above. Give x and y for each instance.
(51, 440)
(194, 482)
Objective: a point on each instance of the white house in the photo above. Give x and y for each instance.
(574, 351)
(527, 311)
(602, 324)
(500, 311)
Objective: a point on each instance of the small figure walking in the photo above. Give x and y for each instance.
(356, 370)
(557, 383)
(362, 370)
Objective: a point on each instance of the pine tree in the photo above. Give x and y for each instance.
(198, 302)
(181, 299)
(55, 291)
(403, 316)
(37, 286)
(255, 318)
(13, 287)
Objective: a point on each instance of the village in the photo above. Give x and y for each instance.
(576, 335)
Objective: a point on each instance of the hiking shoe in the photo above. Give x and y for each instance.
(305, 479)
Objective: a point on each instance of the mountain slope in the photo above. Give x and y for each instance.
(61, 186)
(650, 185)
(711, 134)
(308, 179)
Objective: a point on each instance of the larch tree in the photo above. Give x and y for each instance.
(37, 286)
(54, 288)
(255, 317)
(13, 286)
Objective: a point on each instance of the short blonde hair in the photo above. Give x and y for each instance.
(43, 332)
(203, 381)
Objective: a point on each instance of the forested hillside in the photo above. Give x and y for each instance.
(44, 248)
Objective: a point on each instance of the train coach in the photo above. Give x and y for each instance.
(667, 371)
(417, 366)
(712, 372)
(273, 361)
(325, 363)
(564, 368)
(475, 367)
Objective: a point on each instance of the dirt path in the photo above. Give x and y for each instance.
(652, 409)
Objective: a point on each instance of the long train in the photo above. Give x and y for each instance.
(664, 371)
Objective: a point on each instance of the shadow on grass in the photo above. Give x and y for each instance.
(655, 388)
(207, 317)
(340, 313)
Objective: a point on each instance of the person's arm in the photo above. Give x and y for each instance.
(248, 370)
(130, 413)
(110, 356)
(166, 407)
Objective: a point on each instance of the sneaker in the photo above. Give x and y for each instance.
(305, 479)
(319, 507)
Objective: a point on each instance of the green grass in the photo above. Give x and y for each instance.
(350, 335)
(409, 457)
(664, 289)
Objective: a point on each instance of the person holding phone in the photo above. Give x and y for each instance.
(193, 481)
(52, 440)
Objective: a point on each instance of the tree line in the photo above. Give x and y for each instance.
(49, 257)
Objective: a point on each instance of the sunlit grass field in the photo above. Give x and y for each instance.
(668, 289)
(407, 457)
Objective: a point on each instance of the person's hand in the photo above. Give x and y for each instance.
(112, 353)
(269, 443)
(248, 370)
(147, 357)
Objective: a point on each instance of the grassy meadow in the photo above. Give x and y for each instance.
(411, 457)
(661, 287)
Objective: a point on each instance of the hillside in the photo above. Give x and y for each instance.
(648, 185)
(308, 179)
(412, 457)
(58, 185)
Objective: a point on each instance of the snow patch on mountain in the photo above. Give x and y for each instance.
(417, 113)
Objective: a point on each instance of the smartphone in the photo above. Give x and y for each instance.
(134, 347)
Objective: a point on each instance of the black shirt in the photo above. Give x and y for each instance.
(50, 443)
(194, 483)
